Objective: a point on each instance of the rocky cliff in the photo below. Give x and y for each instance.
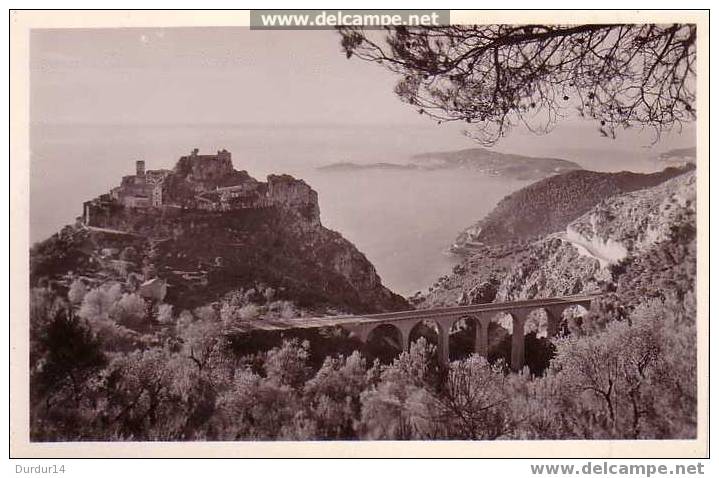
(294, 195)
(638, 245)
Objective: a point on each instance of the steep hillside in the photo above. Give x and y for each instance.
(638, 245)
(551, 204)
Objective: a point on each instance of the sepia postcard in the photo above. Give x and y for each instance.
(359, 233)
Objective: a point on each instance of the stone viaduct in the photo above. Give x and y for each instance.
(361, 326)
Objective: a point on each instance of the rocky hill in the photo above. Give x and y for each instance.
(551, 204)
(637, 245)
(206, 239)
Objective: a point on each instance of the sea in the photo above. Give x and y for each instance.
(404, 221)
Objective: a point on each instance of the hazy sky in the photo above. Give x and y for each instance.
(234, 75)
(214, 75)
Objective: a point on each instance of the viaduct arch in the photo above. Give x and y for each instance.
(482, 314)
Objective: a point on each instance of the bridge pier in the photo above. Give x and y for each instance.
(443, 344)
(405, 340)
(405, 329)
(519, 318)
(554, 319)
(481, 337)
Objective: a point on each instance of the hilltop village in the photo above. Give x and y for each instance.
(153, 205)
(199, 182)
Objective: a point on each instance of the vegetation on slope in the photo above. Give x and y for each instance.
(549, 205)
(610, 378)
(310, 265)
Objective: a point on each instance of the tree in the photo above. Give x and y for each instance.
(248, 312)
(473, 404)
(255, 408)
(287, 365)
(67, 357)
(636, 379)
(154, 395)
(77, 292)
(498, 76)
(207, 313)
(98, 303)
(203, 342)
(397, 407)
(184, 320)
(332, 396)
(44, 307)
(164, 314)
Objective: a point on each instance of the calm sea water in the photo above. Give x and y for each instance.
(402, 220)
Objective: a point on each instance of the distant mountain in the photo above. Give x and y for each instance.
(495, 163)
(549, 205)
(476, 159)
(680, 155)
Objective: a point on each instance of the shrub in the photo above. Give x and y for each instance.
(130, 311)
(77, 292)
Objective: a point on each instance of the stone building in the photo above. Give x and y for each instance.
(155, 180)
(143, 189)
(205, 167)
(97, 210)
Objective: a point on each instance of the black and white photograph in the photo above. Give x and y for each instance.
(350, 226)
